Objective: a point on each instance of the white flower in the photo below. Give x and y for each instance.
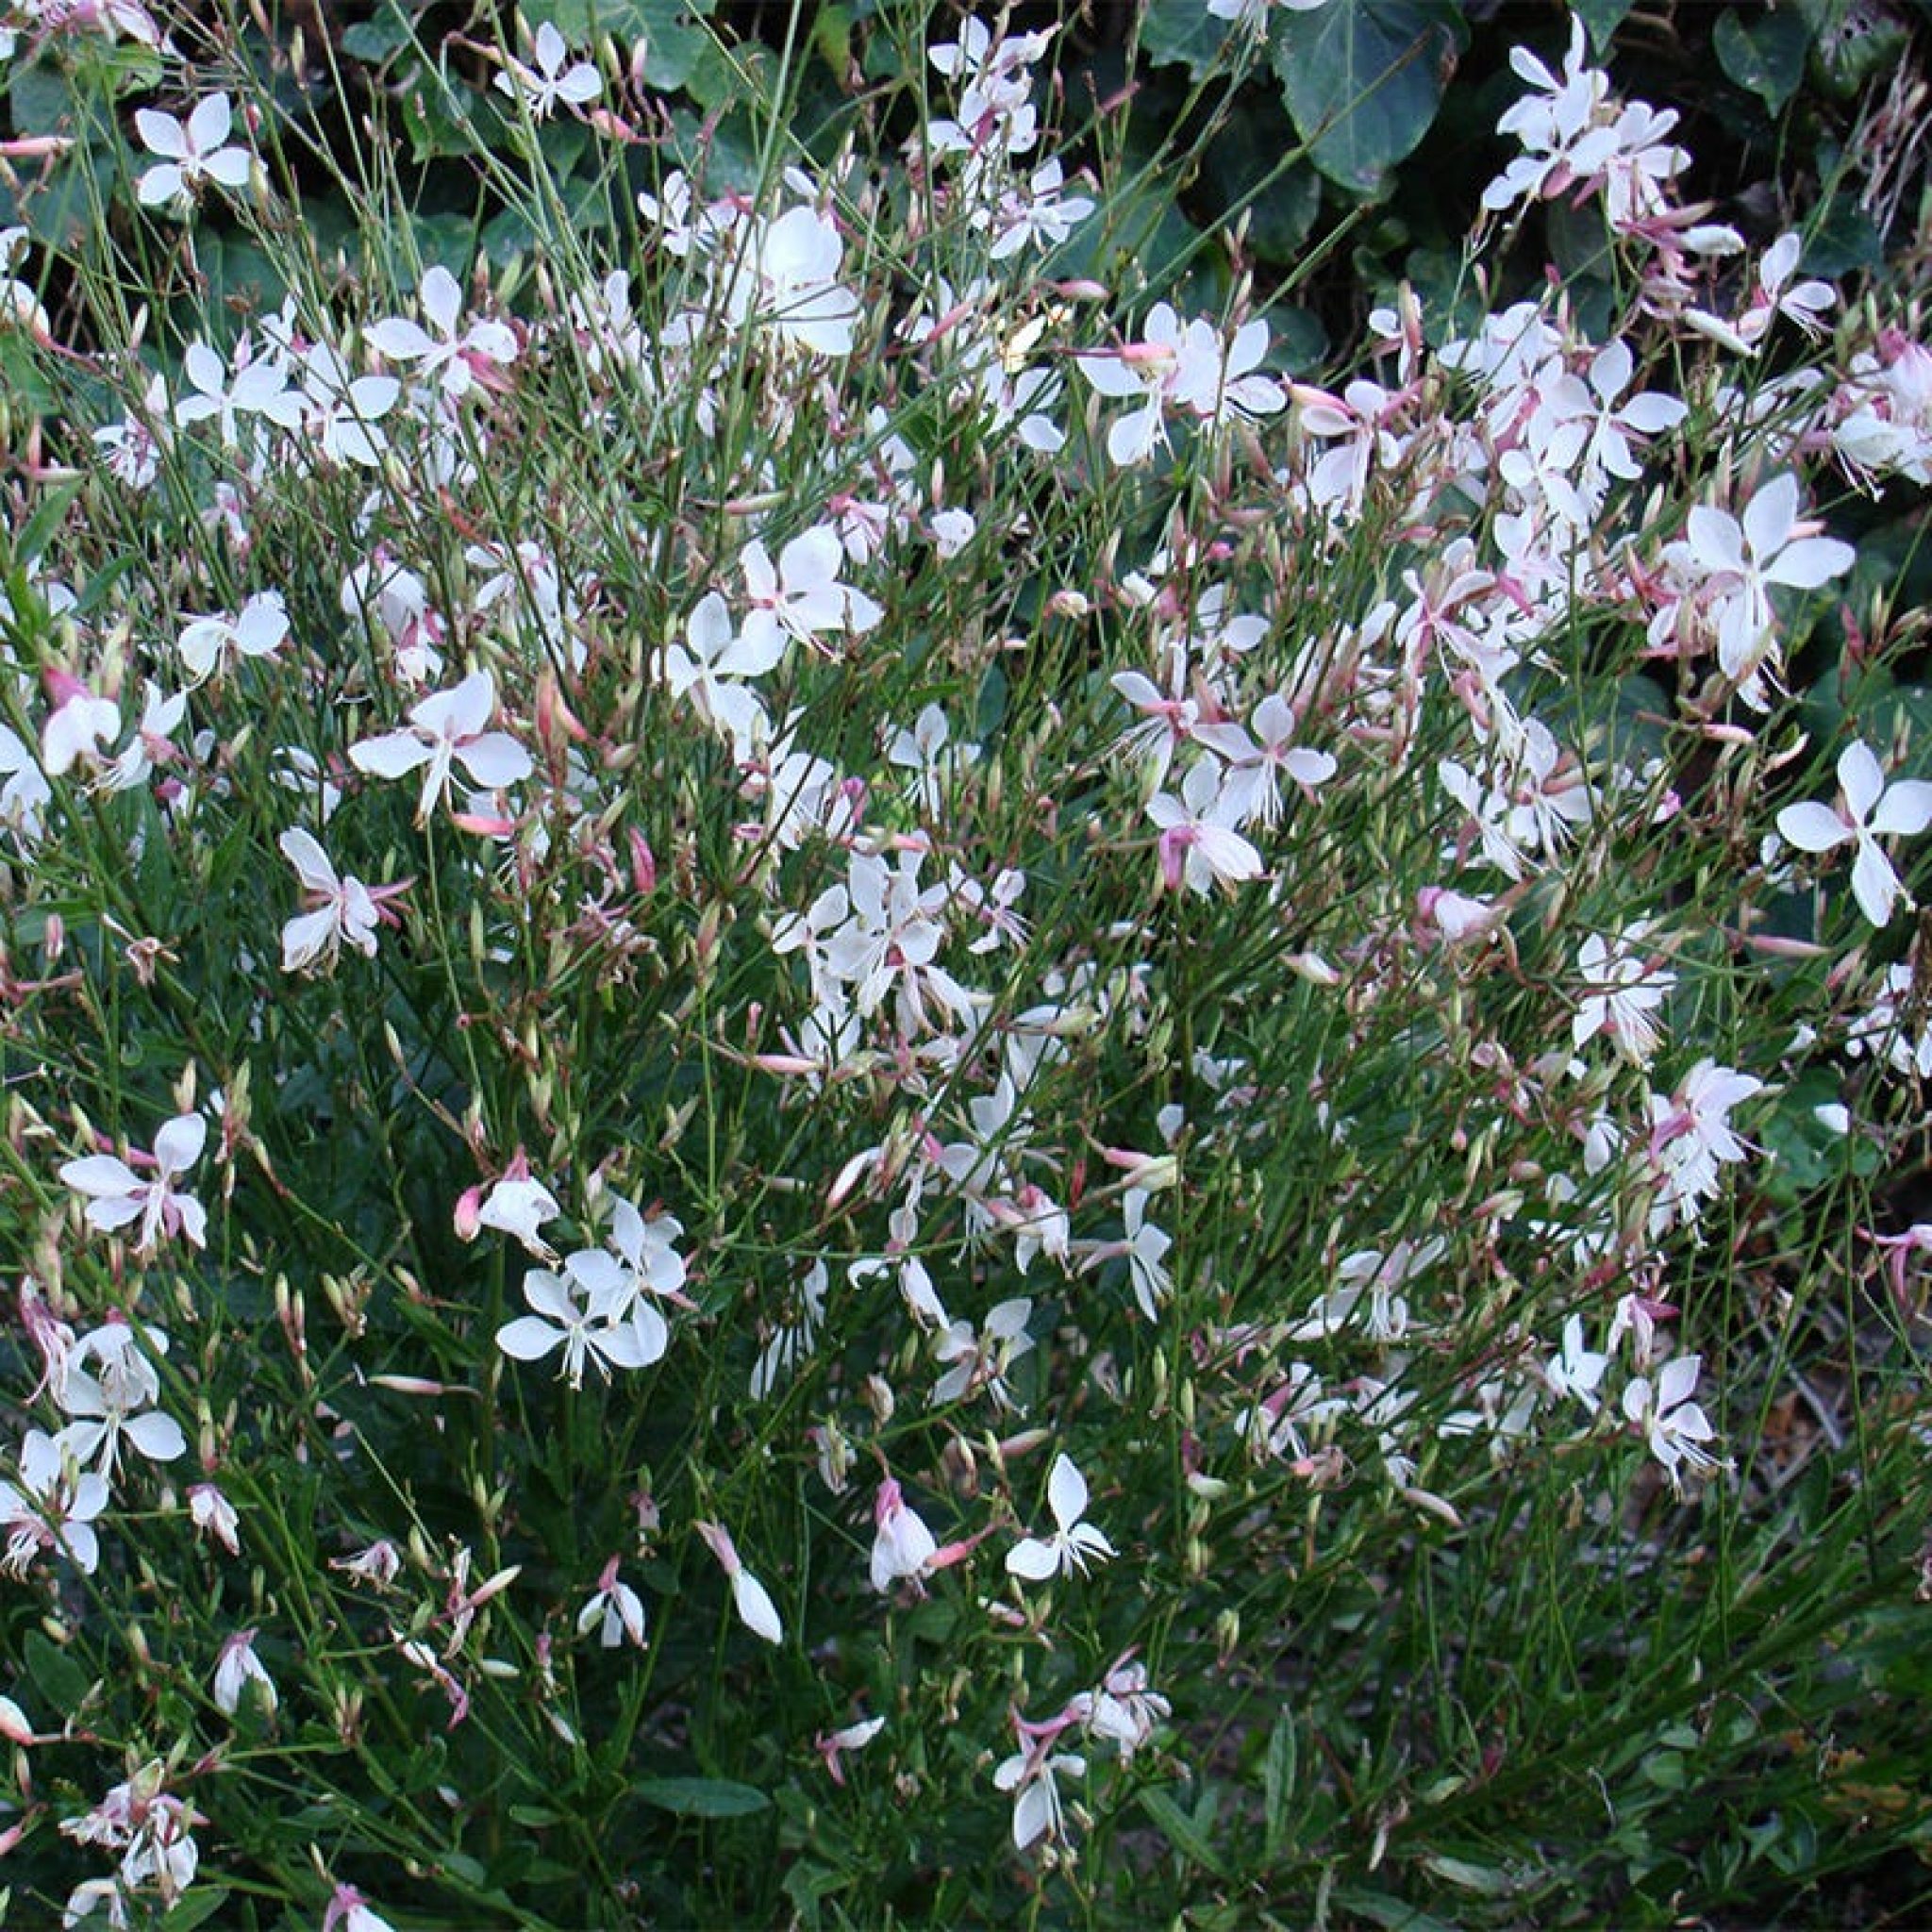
(982, 1362)
(53, 1507)
(549, 81)
(1674, 1426)
(117, 1399)
(518, 1205)
(192, 152)
(787, 277)
(580, 1318)
(210, 645)
(903, 1546)
(450, 357)
(802, 597)
(1575, 1370)
(1074, 1544)
(1871, 810)
(1031, 1774)
(238, 1667)
(117, 1196)
(753, 1601)
(614, 1611)
(348, 912)
(1199, 845)
(446, 727)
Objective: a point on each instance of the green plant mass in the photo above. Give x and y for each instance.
(964, 969)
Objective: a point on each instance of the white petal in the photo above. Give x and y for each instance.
(1066, 1492)
(756, 1607)
(303, 852)
(391, 756)
(527, 1338)
(1873, 883)
(178, 1145)
(1033, 1559)
(1812, 827)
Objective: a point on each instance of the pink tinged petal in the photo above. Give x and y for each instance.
(494, 759)
(1812, 827)
(1861, 778)
(194, 1219)
(1906, 806)
(1810, 561)
(756, 1609)
(1874, 884)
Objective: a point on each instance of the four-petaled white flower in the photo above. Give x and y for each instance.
(346, 912)
(1074, 1544)
(1672, 1423)
(1198, 841)
(210, 645)
(614, 1611)
(549, 80)
(236, 1668)
(903, 1546)
(452, 358)
(52, 1509)
(1030, 1774)
(586, 1320)
(1872, 810)
(117, 1196)
(191, 152)
(114, 1399)
(446, 727)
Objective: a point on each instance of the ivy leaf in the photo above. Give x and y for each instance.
(1765, 54)
(1602, 18)
(1182, 33)
(1364, 82)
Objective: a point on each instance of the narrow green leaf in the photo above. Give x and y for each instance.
(701, 1797)
(1181, 1831)
(1277, 1786)
(196, 1909)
